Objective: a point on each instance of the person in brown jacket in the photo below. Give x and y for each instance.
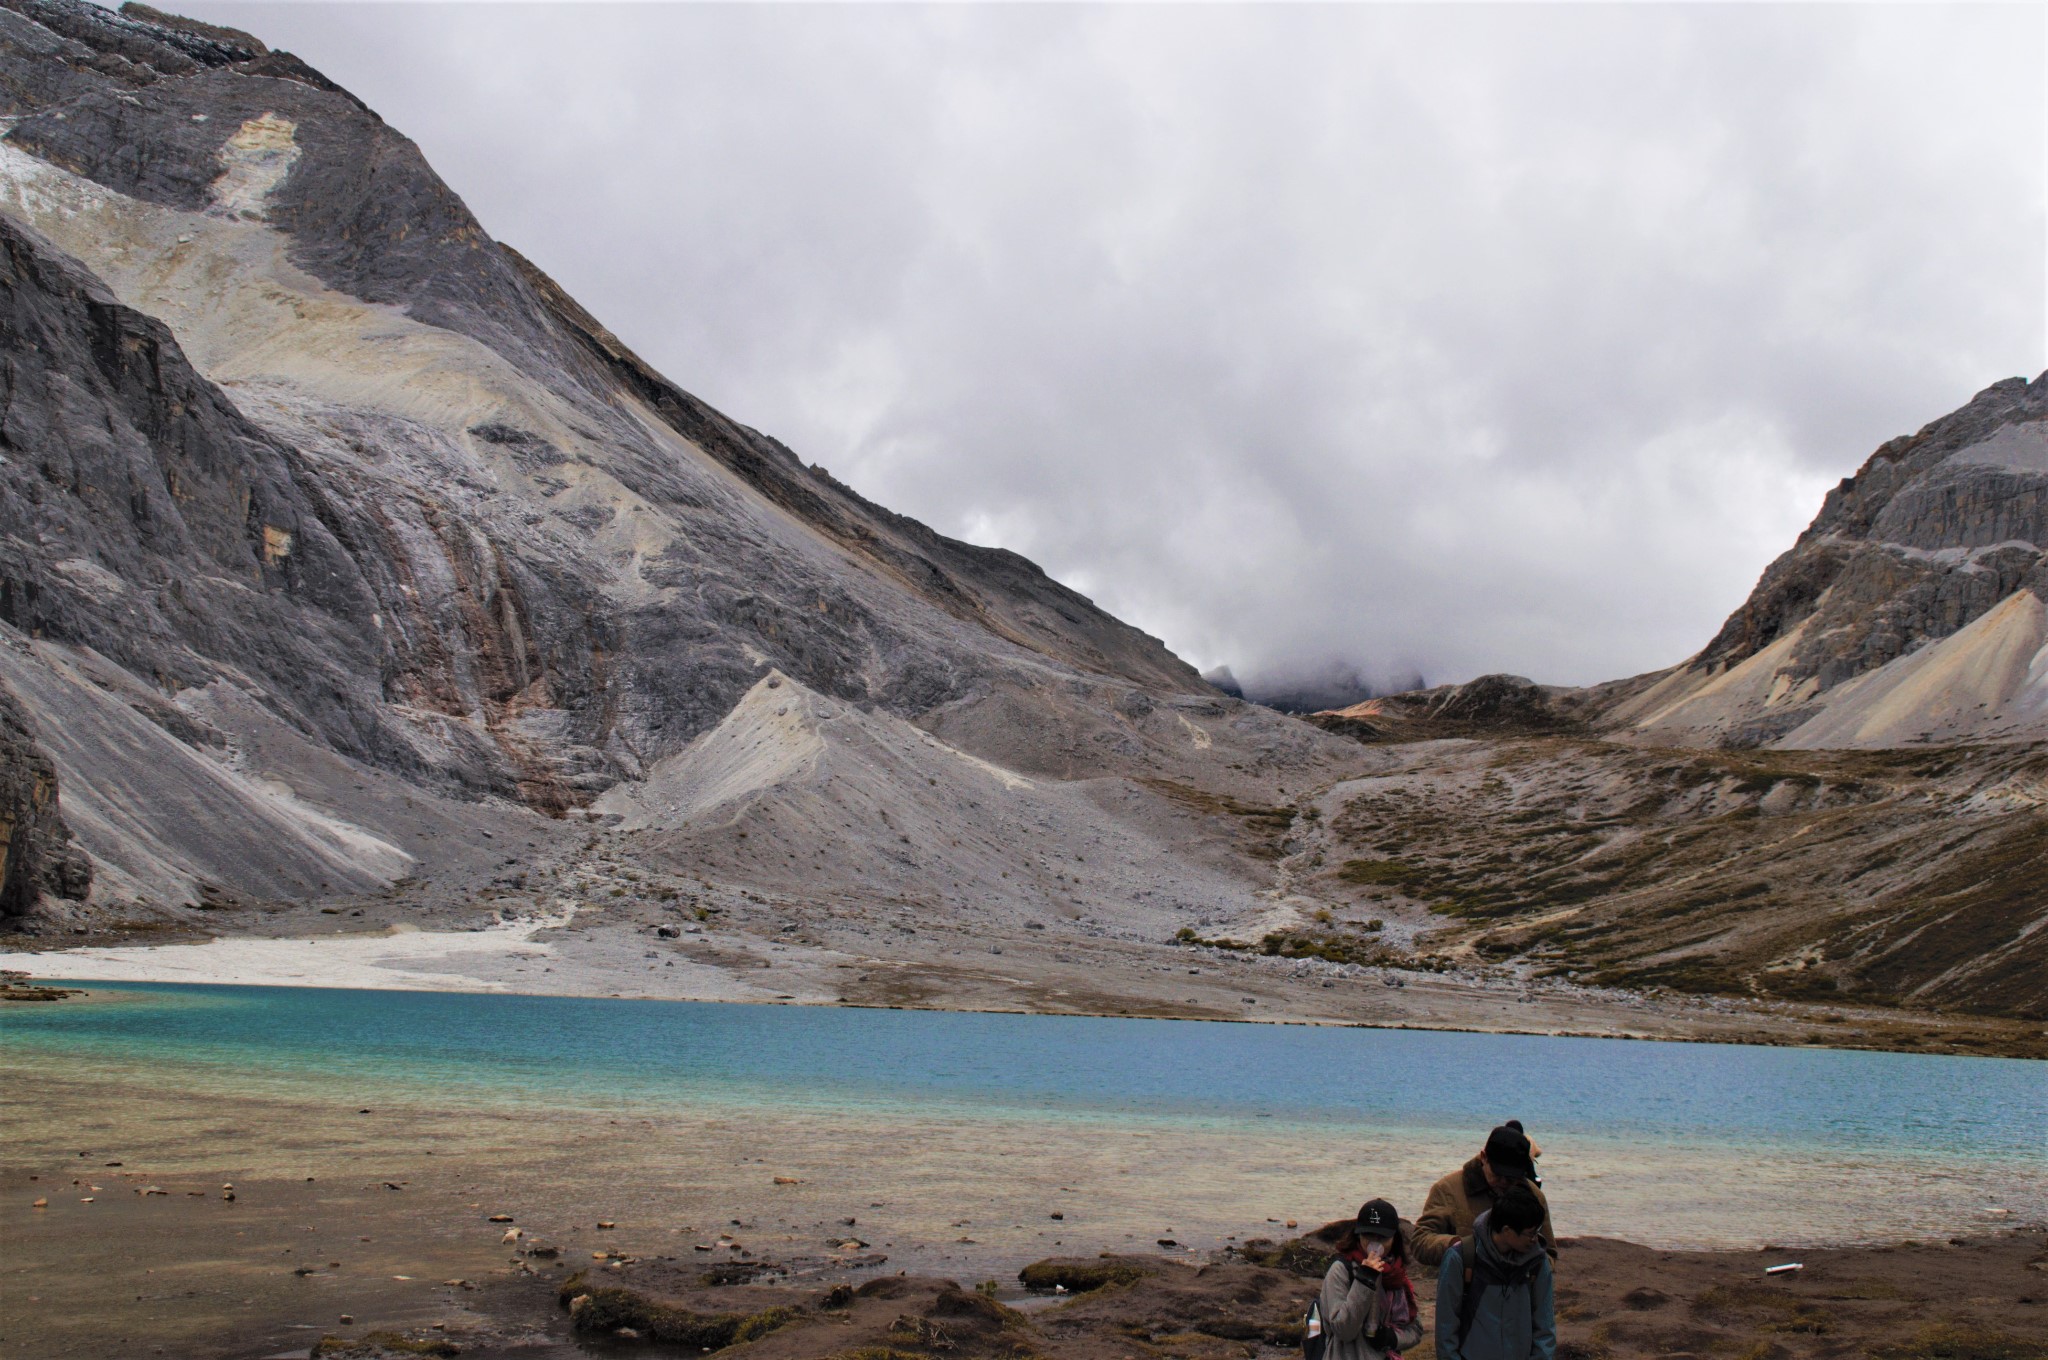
(1459, 1198)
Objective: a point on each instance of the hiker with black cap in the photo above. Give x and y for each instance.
(1494, 1294)
(1367, 1309)
(1455, 1202)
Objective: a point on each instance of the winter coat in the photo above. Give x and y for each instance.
(1509, 1321)
(1355, 1303)
(1454, 1205)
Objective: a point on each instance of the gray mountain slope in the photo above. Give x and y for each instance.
(875, 819)
(294, 449)
(1914, 609)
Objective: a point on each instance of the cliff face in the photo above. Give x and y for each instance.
(291, 444)
(36, 855)
(1911, 610)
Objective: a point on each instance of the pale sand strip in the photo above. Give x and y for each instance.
(502, 957)
(400, 958)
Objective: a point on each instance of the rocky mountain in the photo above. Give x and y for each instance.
(1913, 610)
(1843, 796)
(319, 507)
(353, 577)
(1491, 705)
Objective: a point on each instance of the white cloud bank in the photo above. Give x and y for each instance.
(1458, 338)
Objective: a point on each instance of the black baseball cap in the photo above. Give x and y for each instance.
(1507, 1152)
(1376, 1218)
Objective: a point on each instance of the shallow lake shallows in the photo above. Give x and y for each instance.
(1226, 1123)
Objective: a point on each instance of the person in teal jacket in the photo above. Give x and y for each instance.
(1494, 1293)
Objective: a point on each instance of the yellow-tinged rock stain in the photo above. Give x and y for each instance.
(253, 163)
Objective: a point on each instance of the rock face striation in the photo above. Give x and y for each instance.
(290, 446)
(1914, 609)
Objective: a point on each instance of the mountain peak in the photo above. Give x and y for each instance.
(1936, 531)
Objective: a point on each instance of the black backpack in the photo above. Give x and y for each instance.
(1485, 1273)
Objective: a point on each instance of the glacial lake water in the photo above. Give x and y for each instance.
(1203, 1123)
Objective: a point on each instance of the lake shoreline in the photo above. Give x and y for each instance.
(597, 964)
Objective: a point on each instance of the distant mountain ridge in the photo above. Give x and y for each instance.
(1913, 610)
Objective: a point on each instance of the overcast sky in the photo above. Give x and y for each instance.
(1445, 338)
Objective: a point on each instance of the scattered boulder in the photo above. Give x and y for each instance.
(1308, 1255)
(16, 986)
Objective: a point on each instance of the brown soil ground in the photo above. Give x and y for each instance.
(272, 1274)
(1984, 1299)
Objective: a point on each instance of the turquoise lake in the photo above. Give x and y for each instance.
(1645, 1140)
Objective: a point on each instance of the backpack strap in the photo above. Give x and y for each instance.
(1468, 1302)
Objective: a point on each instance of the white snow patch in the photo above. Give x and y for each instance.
(1010, 778)
(1956, 557)
(35, 190)
(91, 576)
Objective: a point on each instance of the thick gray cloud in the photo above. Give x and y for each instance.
(1456, 338)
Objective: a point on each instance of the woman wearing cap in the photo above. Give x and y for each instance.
(1368, 1306)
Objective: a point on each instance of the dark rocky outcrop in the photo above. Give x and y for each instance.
(36, 854)
(142, 516)
(1490, 706)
